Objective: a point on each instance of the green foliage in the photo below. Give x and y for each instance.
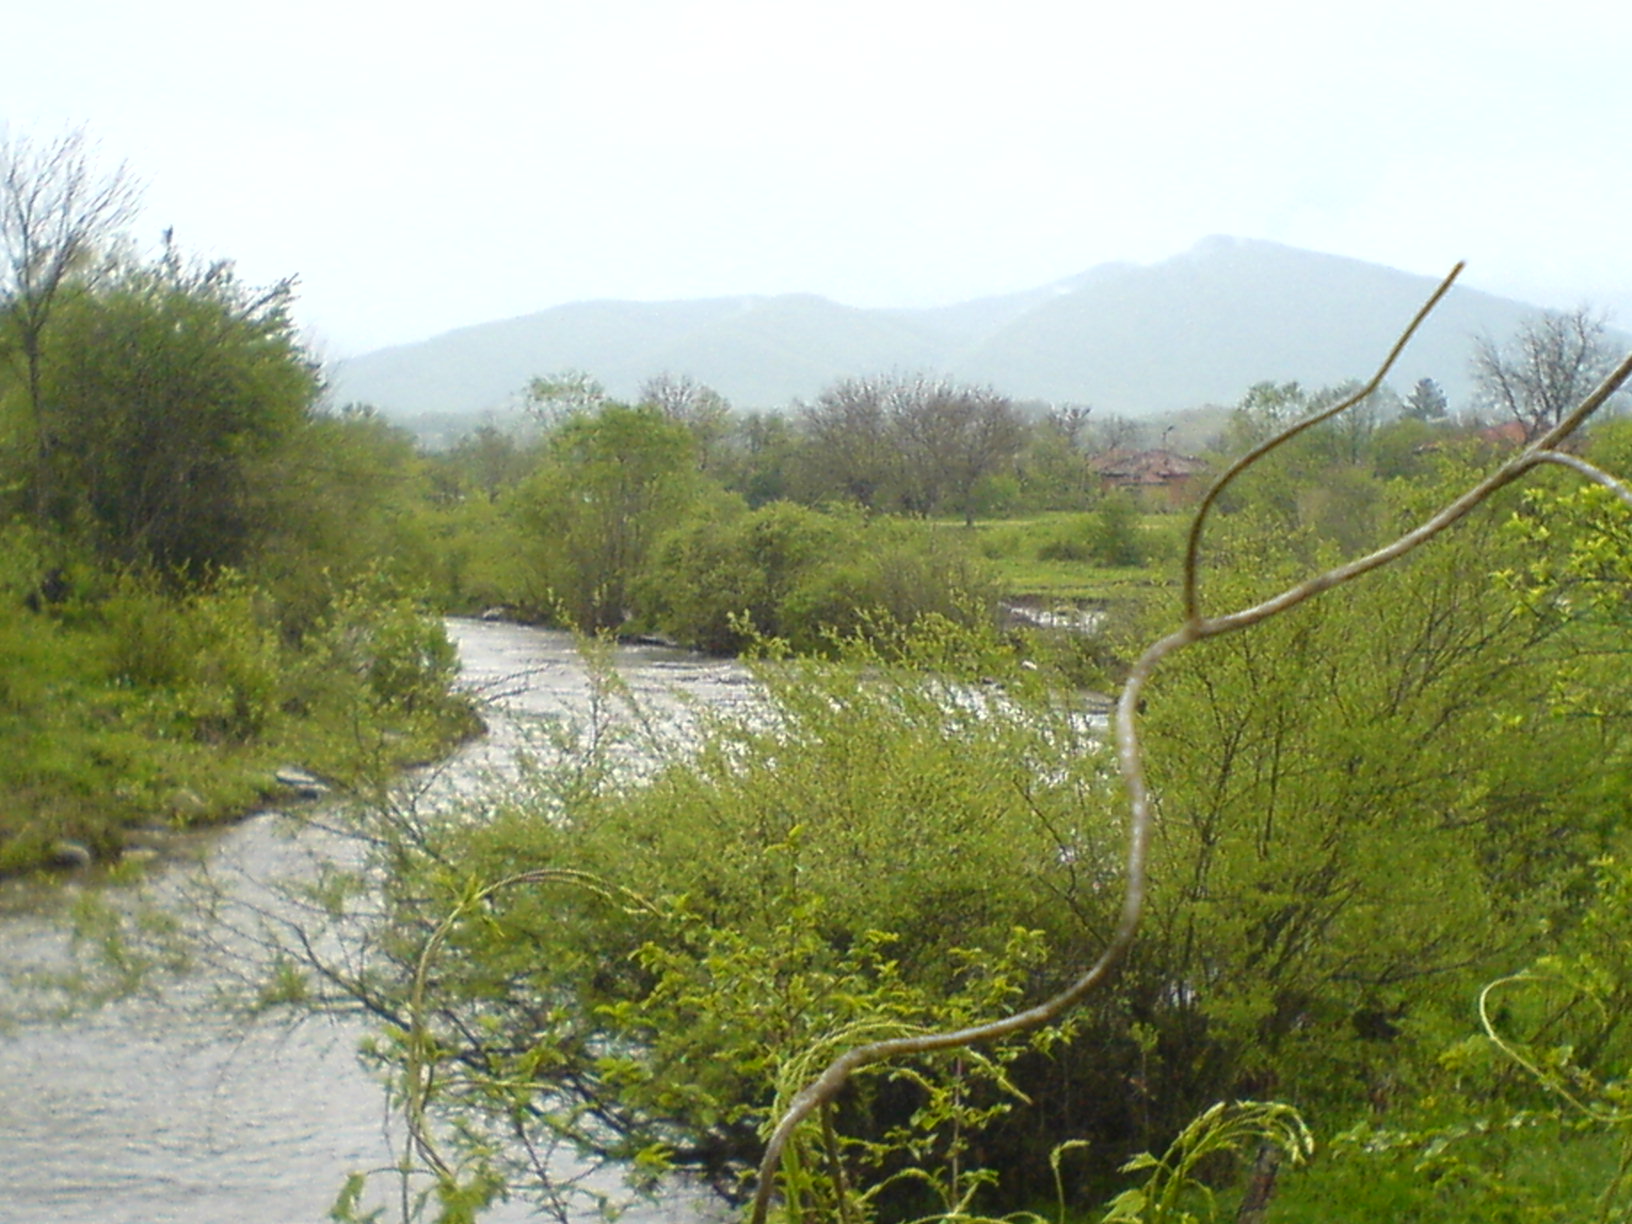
(721, 580)
(1529, 1121)
(1403, 720)
(759, 453)
(886, 573)
(214, 653)
(1563, 1022)
(146, 704)
(1111, 535)
(339, 500)
(1404, 448)
(1319, 485)
(482, 464)
(617, 527)
(1235, 1130)
(478, 562)
(1055, 472)
(376, 635)
(183, 613)
(664, 955)
(609, 484)
(164, 386)
(1048, 556)
(1461, 1168)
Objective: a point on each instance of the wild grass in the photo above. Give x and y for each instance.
(1061, 558)
(147, 708)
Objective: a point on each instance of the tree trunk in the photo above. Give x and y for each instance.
(1260, 1185)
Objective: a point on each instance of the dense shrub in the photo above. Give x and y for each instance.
(721, 579)
(867, 852)
(807, 578)
(1110, 535)
(1363, 813)
(893, 572)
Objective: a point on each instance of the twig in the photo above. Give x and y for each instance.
(417, 1071)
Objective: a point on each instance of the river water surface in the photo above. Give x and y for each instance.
(155, 1110)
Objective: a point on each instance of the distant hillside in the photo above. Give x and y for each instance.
(1195, 329)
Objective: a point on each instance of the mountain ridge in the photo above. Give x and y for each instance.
(1139, 339)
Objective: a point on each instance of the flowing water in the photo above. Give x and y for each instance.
(154, 1110)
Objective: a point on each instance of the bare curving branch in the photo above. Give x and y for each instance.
(1130, 757)
(1192, 552)
(56, 214)
(1591, 471)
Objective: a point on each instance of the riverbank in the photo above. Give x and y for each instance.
(125, 722)
(160, 1106)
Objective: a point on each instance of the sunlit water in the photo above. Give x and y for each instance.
(156, 1111)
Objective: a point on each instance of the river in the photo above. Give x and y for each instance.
(156, 1110)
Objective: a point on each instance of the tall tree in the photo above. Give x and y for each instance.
(1548, 367)
(695, 405)
(168, 384)
(1426, 402)
(611, 481)
(918, 444)
(950, 438)
(56, 212)
(848, 449)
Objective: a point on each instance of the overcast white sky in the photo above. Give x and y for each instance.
(423, 167)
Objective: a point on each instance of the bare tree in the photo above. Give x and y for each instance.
(56, 212)
(1116, 432)
(848, 440)
(695, 405)
(1544, 370)
(919, 444)
(950, 438)
(1070, 422)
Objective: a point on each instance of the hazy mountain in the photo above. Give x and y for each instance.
(1195, 329)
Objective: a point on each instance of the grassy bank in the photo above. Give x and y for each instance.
(1081, 558)
(136, 707)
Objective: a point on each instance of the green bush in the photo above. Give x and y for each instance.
(214, 652)
(1110, 535)
(401, 656)
(893, 571)
(806, 578)
(723, 579)
(1364, 805)
(868, 853)
(158, 703)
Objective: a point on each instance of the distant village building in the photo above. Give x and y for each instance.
(1147, 469)
(1507, 434)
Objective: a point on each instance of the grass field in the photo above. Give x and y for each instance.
(1064, 558)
